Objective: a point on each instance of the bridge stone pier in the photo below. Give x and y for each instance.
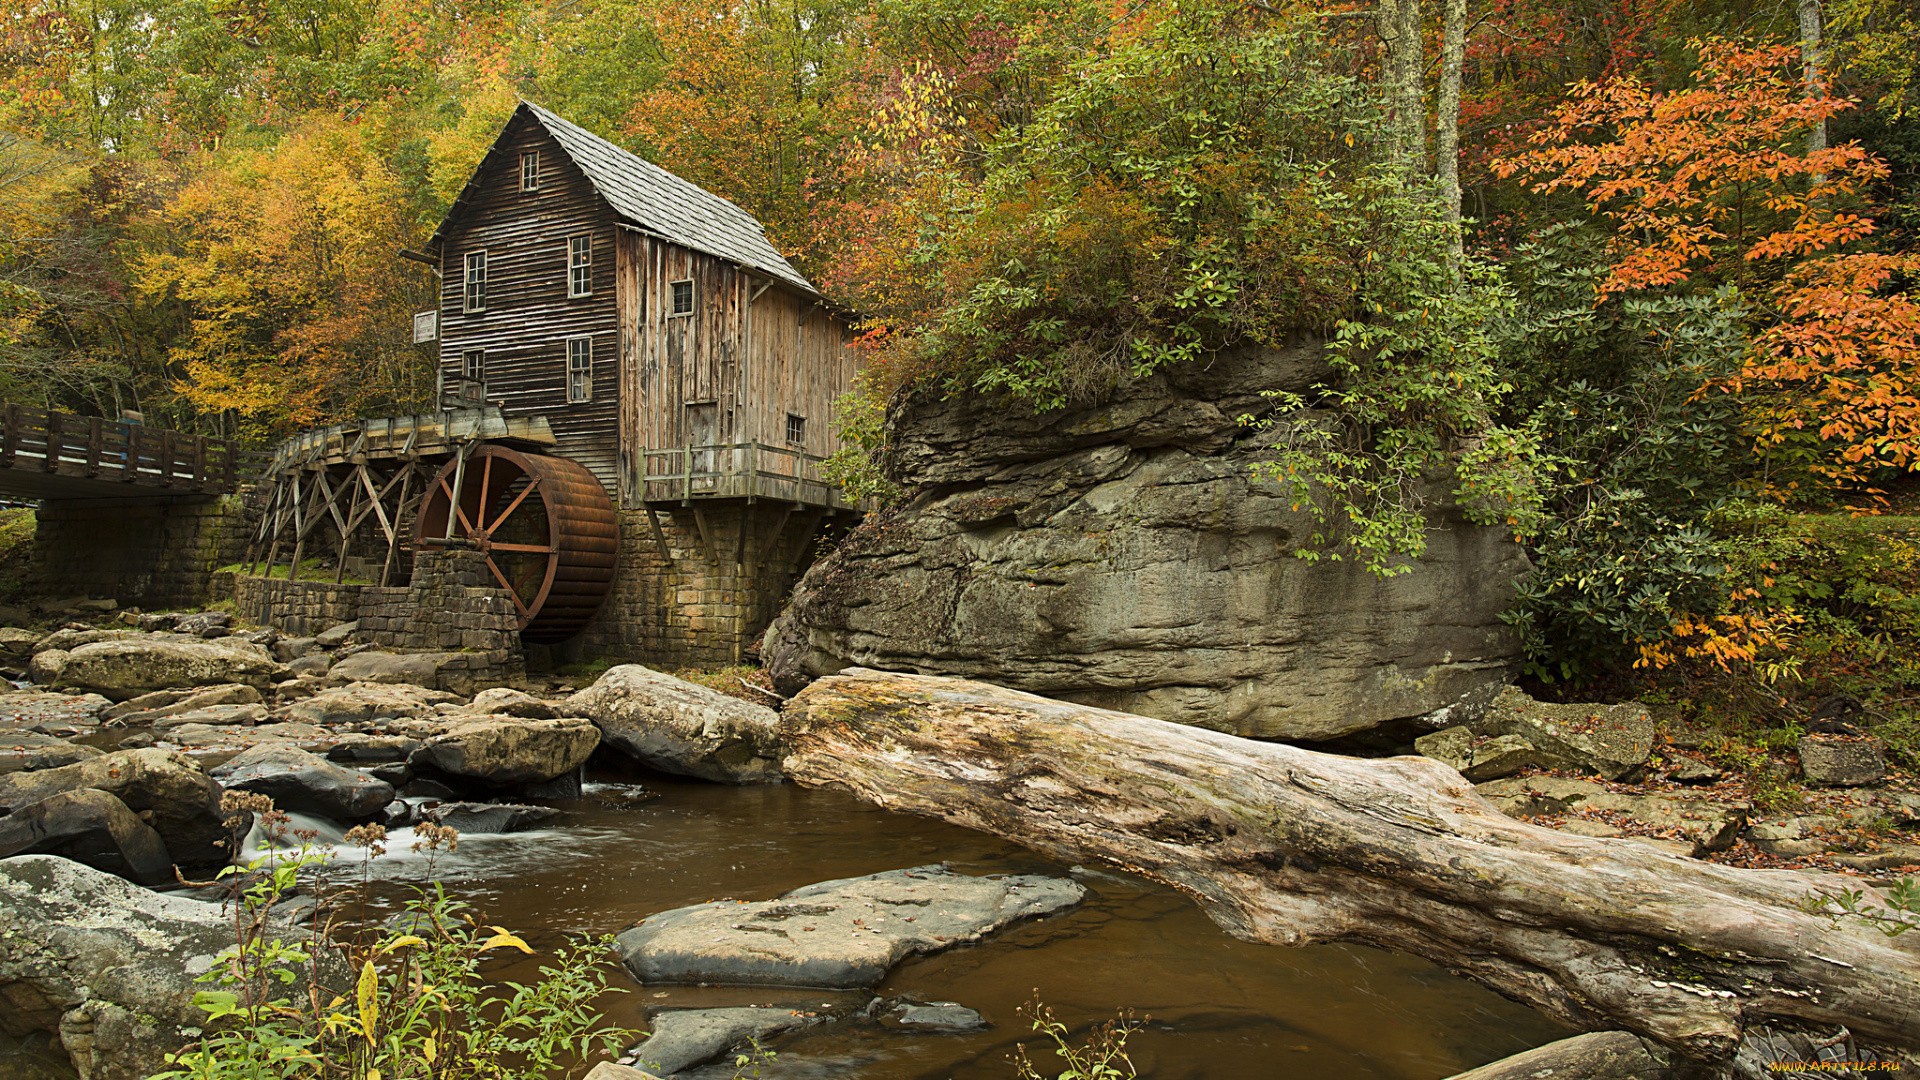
(142, 515)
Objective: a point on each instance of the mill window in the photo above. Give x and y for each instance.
(682, 298)
(579, 370)
(530, 171)
(473, 365)
(796, 429)
(580, 266)
(474, 292)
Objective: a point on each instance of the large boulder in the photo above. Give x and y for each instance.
(297, 780)
(91, 827)
(184, 803)
(508, 751)
(1126, 555)
(123, 669)
(677, 727)
(107, 968)
(843, 934)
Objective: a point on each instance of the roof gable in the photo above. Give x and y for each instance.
(656, 201)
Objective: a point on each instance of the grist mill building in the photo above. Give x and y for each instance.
(637, 395)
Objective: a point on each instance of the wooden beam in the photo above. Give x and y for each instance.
(659, 537)
(706, 540)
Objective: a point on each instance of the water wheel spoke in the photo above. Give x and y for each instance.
(517, 500)
(508, 585)
(454, 505)
(526, 579)
(540, 549)
(486, 490)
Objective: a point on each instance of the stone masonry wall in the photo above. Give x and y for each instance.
(152, 553)
(446, 606)
(298, 608)
(702, 603)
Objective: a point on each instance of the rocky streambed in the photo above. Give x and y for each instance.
(853, 942)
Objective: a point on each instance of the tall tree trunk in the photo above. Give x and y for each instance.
(1453, 50)
(1290, 847)
(1398, 23)
(1813, 59)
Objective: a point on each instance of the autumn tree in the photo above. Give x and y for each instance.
(1718, 182)
(300, 307)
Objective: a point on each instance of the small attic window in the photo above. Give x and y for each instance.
(530, 171)
(682, 299)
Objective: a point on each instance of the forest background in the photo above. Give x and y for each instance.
(1632, 276)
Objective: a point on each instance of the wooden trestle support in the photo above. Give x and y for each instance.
(306, 501)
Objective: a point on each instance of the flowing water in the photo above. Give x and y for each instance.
(1219, 1008)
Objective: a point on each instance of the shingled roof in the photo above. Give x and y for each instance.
(653, 199)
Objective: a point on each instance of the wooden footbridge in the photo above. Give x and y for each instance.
(45, 454)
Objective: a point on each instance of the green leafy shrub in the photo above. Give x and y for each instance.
(1639, 455)
(419, 1007)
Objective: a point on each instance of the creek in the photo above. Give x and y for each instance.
(1219, 1008)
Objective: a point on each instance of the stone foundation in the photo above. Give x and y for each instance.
(150, 552)
(446, 608)
(704, 599)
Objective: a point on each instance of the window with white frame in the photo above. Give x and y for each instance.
(579, 369)
(474, 291)
(473, 365)
(580, 265)
(530, 170)
(796, 429)
(682, 299)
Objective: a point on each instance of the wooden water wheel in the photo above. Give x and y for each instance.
(544, 524)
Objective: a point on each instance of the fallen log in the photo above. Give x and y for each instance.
(1287, 846)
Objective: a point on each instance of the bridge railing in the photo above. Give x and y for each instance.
(63, 444)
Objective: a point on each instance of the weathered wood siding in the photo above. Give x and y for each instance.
(529, 316)
(730, 372)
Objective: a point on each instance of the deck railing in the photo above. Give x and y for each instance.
(750, 470)
(62, 444)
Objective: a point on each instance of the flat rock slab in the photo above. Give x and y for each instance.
(26, 708)
(843, 934)
(684, 1038)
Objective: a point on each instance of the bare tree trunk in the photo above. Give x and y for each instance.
(1291, 847)
(1398, 23)
(1813, 59)
(1453, 50)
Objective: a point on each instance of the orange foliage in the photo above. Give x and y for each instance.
(1716, 179)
